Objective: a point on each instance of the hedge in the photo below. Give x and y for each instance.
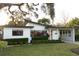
(44, 39)
(41, 39)
(16, 41)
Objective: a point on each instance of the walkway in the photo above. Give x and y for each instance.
(77, 42)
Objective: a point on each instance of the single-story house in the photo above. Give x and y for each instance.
(67, 34)
(15, 32)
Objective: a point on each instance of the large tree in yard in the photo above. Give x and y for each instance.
(47, 8)
(73, 22)
(17, 19)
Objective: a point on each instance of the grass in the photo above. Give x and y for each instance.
(49, 49)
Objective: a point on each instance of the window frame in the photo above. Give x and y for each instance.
(69, 32)
(17, 32)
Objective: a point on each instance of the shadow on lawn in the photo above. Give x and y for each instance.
(76, 51)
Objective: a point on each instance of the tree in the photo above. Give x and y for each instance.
(73, 22)
(11, 23)
(65, 17)
(47, 8)
(44, 21)
(51, 10)
(17, 19)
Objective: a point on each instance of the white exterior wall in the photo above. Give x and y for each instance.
(7, 33)
(69, 39)
(36, 26)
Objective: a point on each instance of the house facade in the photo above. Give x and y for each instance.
(15, 32)
(66, 34)
(37, 26)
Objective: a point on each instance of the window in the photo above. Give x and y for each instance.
(39, 33)
(69, 32)
(64, 31)
(17, 32)
(55, 33)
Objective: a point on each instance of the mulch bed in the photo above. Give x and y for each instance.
(76, 51)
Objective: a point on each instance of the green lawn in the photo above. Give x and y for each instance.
(49, 49)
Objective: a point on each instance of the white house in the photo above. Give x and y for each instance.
(14, 32)
(67, 34)
(37, 26)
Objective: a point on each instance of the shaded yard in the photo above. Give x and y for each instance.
(49, 49)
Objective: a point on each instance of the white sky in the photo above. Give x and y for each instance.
(68, 8)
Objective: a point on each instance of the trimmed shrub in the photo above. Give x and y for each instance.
(17, 41)
(44, 39)
(3, 44)
(40, 38)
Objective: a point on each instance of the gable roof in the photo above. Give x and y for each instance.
(37, 23)
(48, 26)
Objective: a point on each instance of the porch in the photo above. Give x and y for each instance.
(66, 34)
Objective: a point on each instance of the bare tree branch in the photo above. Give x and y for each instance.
(2, 5)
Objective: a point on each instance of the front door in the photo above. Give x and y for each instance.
(55, 35)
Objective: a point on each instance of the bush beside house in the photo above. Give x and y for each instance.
(17, 41)
(44, 39)
(3, 44)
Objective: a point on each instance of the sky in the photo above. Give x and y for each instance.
(69, 8)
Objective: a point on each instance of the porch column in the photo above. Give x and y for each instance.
(29, 39)
(73, 35)
(50, 34)
(62, 35)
